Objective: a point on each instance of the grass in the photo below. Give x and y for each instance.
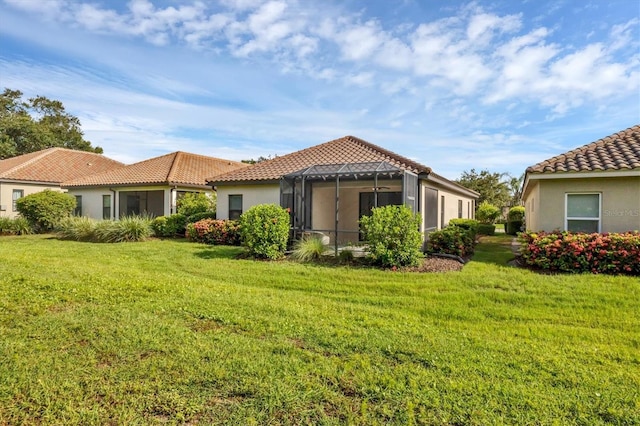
(175, 332)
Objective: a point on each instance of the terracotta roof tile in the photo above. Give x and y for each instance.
(176, 168)
(348, 149)
(620, 151)
(55, 165)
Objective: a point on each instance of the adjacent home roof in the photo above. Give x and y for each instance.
(177, 168)
(348, 149)
(55, 165)
(620, 151)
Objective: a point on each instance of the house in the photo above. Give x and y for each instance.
(594, 188)
(149, 187)
(328, 187)
(46, 169)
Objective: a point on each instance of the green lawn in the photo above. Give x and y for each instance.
(173, 332)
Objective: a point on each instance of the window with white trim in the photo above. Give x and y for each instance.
(582, 212)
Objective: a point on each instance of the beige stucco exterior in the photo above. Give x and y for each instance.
(6, 194)
(251, 195)
(545, 200)
(323, 202)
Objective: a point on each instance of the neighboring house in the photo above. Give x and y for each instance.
(328, 187)
(149, 187)
(594, 188)
(46, 169)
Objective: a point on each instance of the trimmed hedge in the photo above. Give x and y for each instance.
(197, 217)
(470, 225)
(215, 232)
(485, 229)
(576, 253)
(451, 240)
(513, 227)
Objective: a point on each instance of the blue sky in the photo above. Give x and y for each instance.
(455, 85)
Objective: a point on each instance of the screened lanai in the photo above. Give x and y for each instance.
(330, 198)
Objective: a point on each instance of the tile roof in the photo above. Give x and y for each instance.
(177, 168)
(620, 151)
(55, 165)
(348, 149)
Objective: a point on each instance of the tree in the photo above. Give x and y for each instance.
(488, 185)
(36, 124)
(515, 189)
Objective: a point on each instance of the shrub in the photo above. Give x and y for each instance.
(200, 216)
(516, 213)
(131, 229)
(76, 228)
(595, 253)
(169, 226)
(346, 256)
(264, 230)
(515, 220)
(16, 226)
(393, 236)
(309, 248)
(487, 213)
(451, 240)
(44, 210)
(471, 225)
(486, 229)
(192, 203)
(214, 231)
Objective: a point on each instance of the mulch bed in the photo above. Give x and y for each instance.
(437, 264)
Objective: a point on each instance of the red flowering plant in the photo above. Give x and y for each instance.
(578, 252)
(214, 231)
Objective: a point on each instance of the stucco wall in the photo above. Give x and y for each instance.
(92, 201)
(451, 199)
(6, 194)
(532, 206)
(620, 202)
(251, 195)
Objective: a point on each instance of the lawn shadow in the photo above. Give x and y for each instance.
(219, 252)
(496, 249)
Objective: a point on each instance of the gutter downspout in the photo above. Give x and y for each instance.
(173, 204)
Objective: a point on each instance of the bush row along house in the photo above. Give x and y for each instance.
(328, 187)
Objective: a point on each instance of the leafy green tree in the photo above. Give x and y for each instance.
(487, 213)
(489, 185)
(36, 124)
(515, 189)
(44, 210)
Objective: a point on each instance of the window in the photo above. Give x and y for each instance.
(235, 206)
(582, 213)
(459, 209)
(442, 211)
(106, 207)
(17, 194)
(78, 209)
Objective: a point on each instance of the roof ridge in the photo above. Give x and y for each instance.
(174, 165)
(390, 154)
